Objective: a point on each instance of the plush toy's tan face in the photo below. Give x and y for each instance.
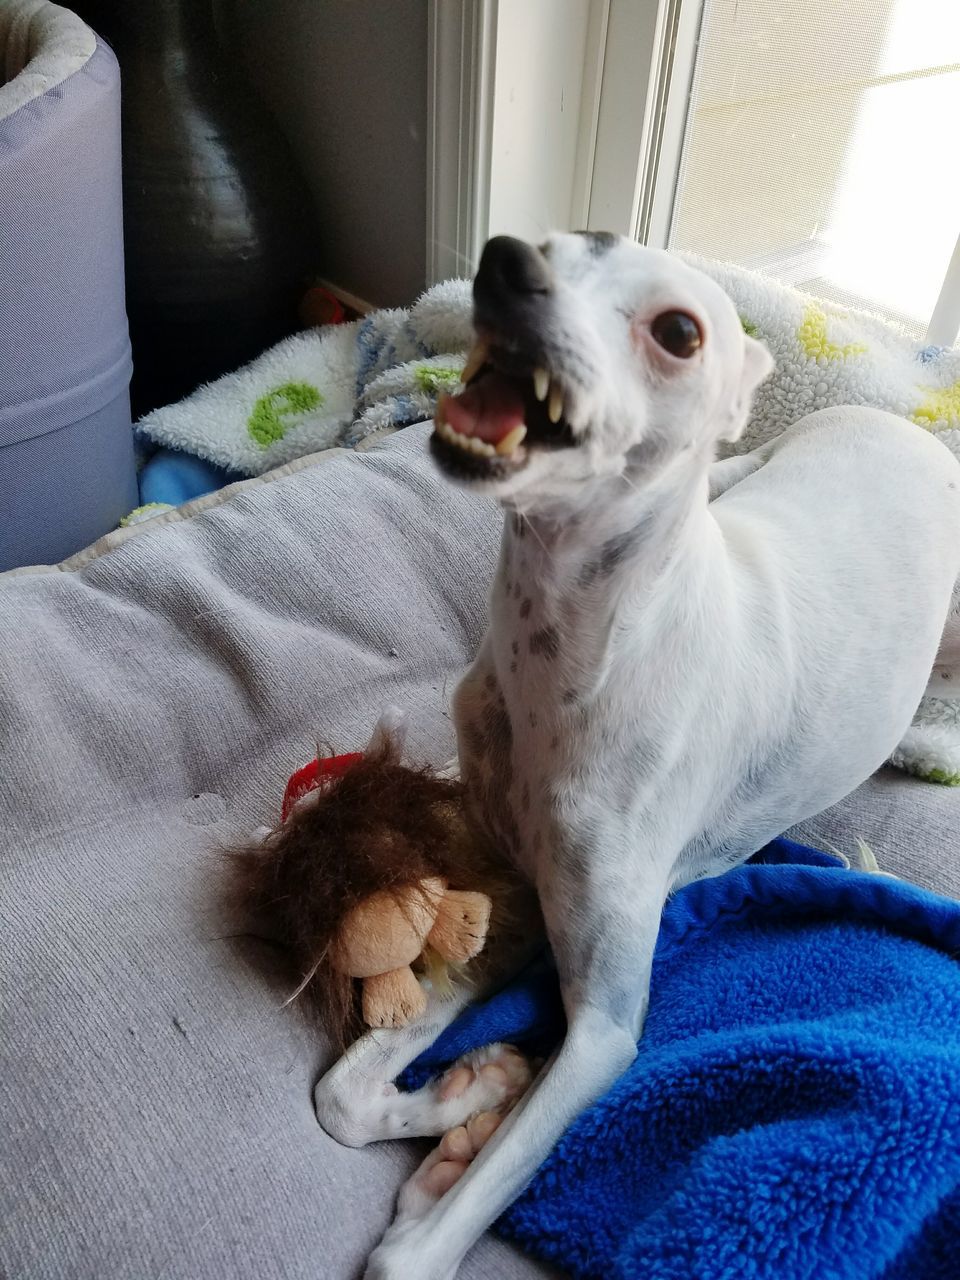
(387, 930)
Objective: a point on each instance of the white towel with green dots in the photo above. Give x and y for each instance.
(323, 387)
(341, 384)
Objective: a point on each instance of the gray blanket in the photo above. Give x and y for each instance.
(155, 1101)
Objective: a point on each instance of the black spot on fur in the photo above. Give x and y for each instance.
(525, 608)
(570, 695)
(599, 242)
(513, 668)
(534, 720)
(475, 740)
(490, 682)
(613, 553)
(571, 856)
(497, 729)
(546, 641)
(516, 592)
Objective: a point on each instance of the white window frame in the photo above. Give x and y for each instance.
(484, 112)
(614, 177)
(461, 46)
(614, 136)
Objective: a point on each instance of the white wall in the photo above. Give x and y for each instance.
(348, 82)
(541, 47)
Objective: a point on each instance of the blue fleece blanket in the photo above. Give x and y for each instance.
(794, 1107)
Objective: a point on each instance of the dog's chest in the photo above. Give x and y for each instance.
(535, 717)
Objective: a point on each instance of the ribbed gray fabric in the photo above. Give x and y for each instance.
(156, 1115)
(912, 827)
(156, 1119)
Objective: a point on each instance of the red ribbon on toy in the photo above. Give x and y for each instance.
(314, 775)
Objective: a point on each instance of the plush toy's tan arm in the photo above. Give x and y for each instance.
(392, 999)
(460, 929)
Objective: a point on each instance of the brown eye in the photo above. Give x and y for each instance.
(677, 333)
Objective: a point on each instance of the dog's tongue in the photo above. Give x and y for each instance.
(489, 409)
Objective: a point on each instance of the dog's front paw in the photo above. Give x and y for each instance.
(446, 1165)
(353, 1115)
(489, 1079)
(402, 1255)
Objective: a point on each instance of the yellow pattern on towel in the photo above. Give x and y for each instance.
(812, 336)
(940, 410)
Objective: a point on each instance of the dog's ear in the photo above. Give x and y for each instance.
(757, 365)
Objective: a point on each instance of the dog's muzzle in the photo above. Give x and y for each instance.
(513, 401)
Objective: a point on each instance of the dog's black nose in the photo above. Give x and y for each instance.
(510, 267)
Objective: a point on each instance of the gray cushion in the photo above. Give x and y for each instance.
(912, 828)
(156, 1103)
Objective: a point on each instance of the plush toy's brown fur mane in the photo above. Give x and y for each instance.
(381, 825)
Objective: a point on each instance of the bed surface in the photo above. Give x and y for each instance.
(155, 1100)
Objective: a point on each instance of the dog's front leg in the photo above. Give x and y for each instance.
(605, 992)
(356, 1100)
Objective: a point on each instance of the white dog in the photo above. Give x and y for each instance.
(666, 683)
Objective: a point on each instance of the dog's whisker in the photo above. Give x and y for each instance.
(629, 483)
(533, 529)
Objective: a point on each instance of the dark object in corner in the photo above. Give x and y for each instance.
(218, 223)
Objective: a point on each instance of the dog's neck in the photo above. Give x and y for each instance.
(624, 530)
(631, 553)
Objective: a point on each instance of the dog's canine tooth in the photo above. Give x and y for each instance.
(511, 439)
(541, 383)
(476, 358)
(555, 405)
(439, 414)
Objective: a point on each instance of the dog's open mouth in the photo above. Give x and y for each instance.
(507, 409)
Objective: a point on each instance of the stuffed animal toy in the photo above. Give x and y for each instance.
(371, 870)
(383, 935)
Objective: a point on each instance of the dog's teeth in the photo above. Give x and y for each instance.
(469, 444)
(555, 405)
(541, 383)
(476, 359)
(511, 439)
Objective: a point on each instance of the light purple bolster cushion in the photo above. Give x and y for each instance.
(67, 471)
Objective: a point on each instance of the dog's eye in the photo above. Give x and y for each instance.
(677, 333)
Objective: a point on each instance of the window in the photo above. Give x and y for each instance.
(816, 148)
(812, 140)
(809, 140)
